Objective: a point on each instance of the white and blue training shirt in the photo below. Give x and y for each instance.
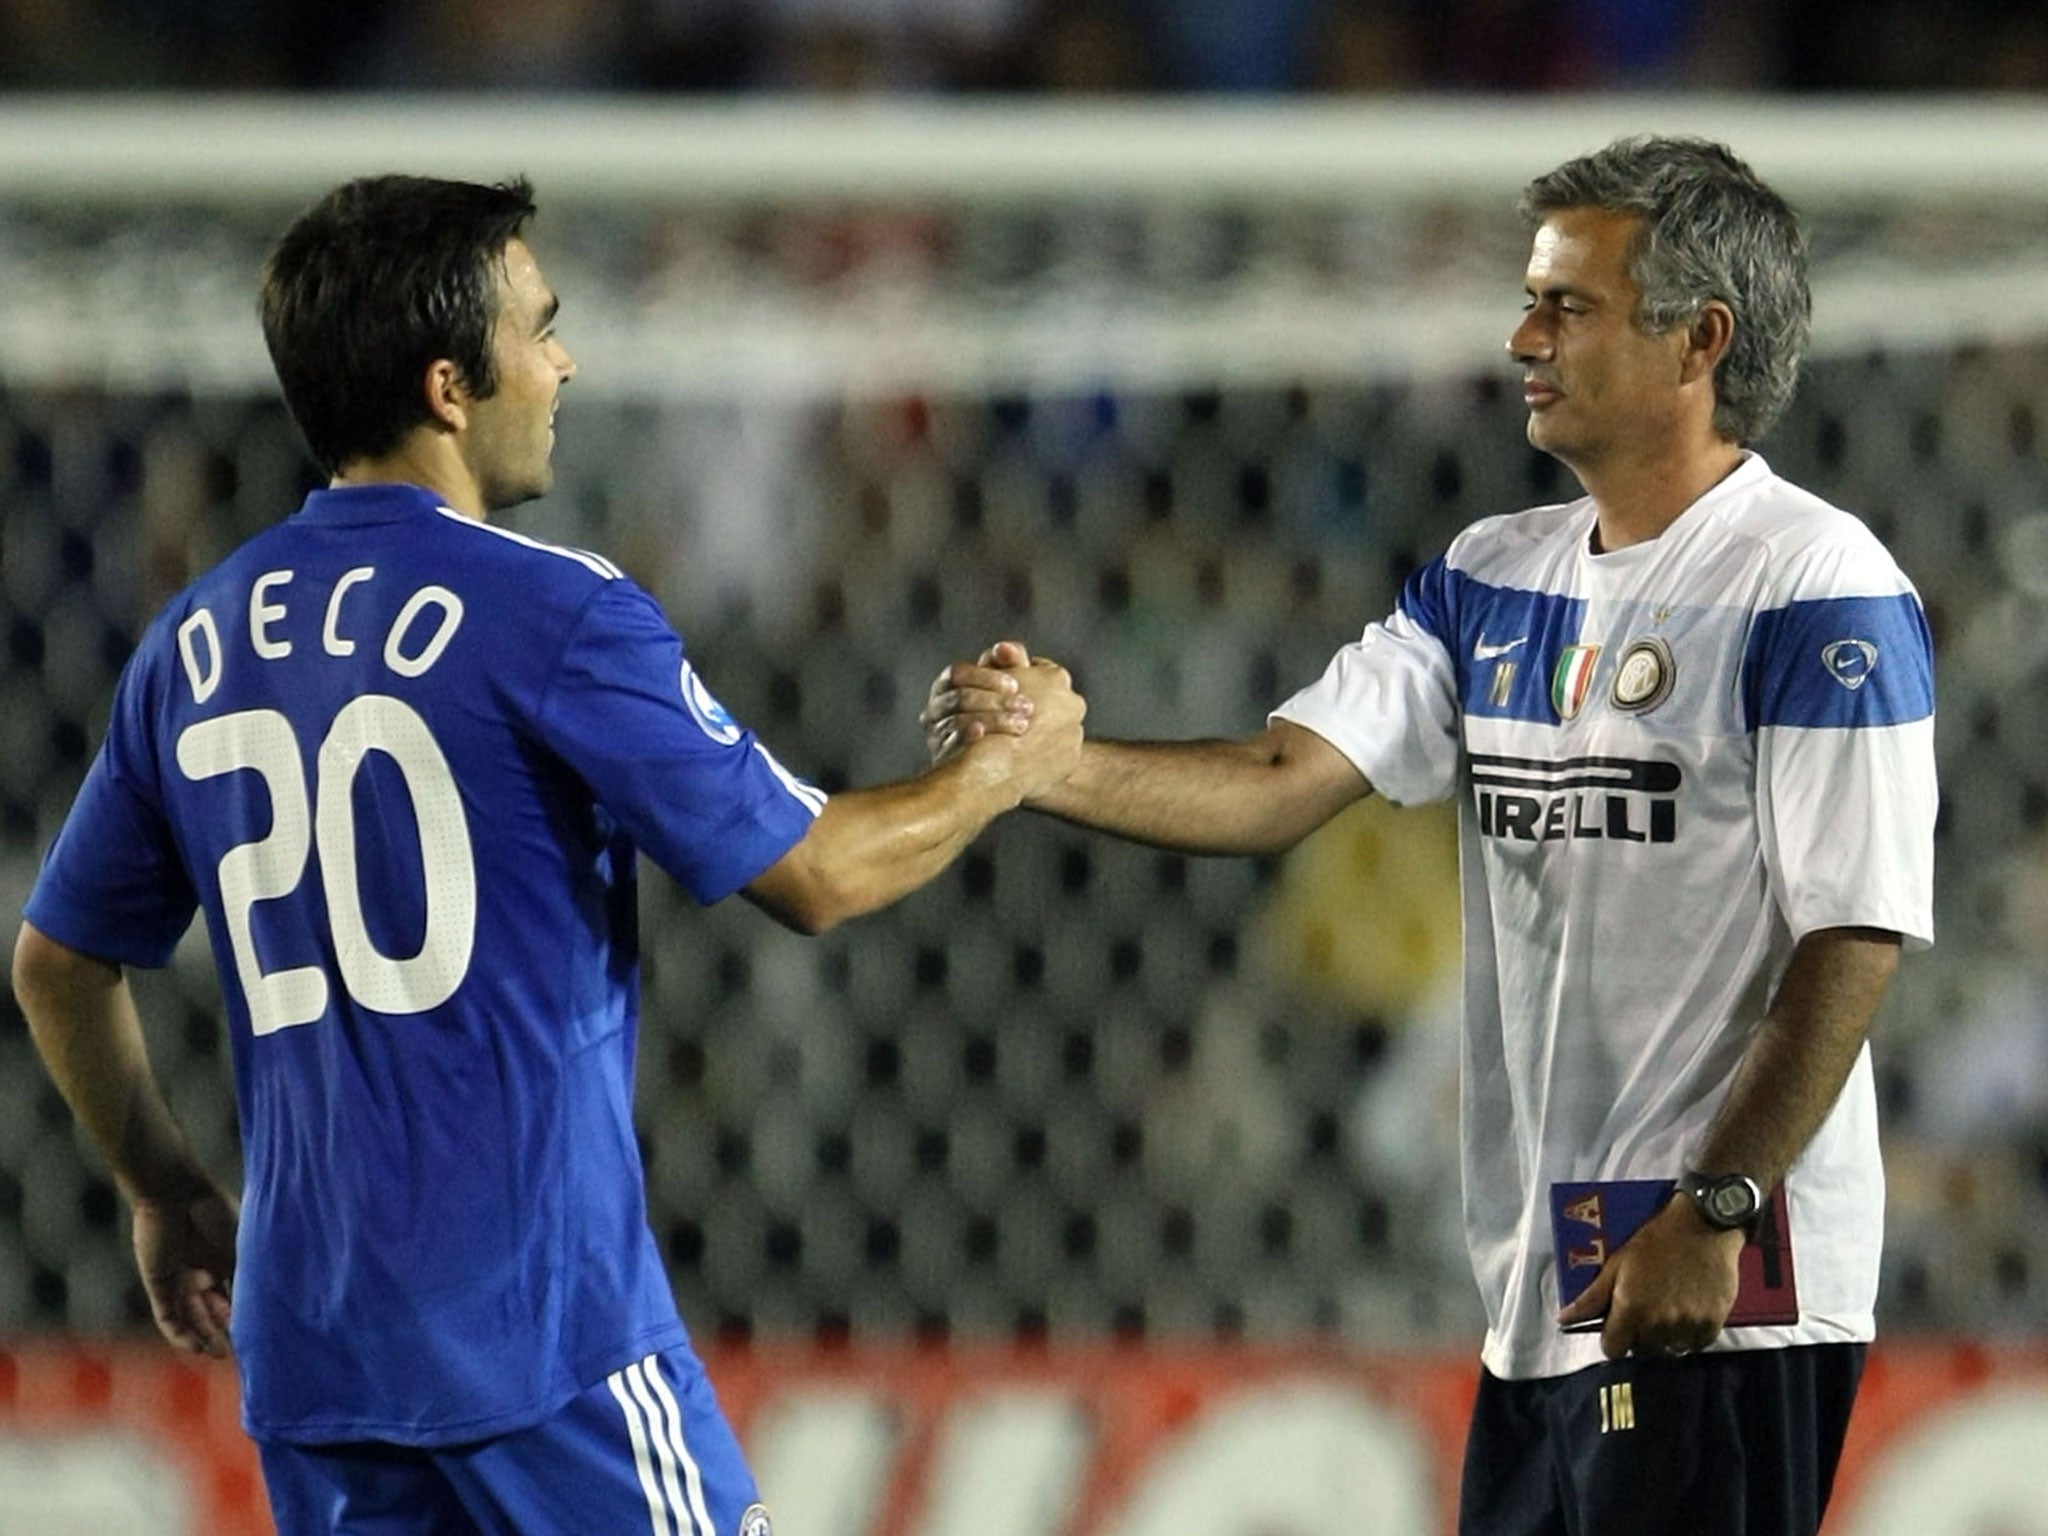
(1673, 761)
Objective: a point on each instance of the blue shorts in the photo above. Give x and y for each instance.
(645, 1450)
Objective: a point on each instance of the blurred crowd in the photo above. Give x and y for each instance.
(1098, 46)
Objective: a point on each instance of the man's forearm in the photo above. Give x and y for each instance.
(82, 1018)
(1259, 795)
(1671, 1285)
(1802, 1054)
(871, 847)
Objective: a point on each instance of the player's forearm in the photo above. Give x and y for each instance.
(1794, 1069)
(871, 847)
(1252, 796)
(82, 1018)
(893, 839)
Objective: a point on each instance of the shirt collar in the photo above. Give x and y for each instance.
(357, 504)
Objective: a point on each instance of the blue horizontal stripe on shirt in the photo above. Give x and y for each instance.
(1839, 662)
(1486, 628)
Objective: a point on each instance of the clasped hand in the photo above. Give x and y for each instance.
(1008, 702)
(971, 700)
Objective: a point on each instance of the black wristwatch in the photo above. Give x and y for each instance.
(1728, 1202)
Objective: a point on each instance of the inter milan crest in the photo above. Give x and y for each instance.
(1573, 679)
(1644, 678)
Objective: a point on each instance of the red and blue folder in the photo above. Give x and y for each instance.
(1590, 1220)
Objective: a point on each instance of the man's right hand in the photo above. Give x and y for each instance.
(1045, 747)
(970, 700)
(1258, 794)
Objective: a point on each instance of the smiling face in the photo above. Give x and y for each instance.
(510, 433)
(1596, 385)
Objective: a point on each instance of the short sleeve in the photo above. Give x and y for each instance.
(690, 785)
(114, 884)
(1388, 701)
(1838, 687)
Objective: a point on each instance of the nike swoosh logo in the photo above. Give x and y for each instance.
(1484, 652)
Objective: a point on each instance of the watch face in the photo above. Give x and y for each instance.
(1731, 1201)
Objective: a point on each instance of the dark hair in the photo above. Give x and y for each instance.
(1711, 229)
(373, 284)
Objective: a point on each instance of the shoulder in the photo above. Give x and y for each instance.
(1837, 634)
(534, 588)
(1512, 536)
(553, 565)
(1519, 550)
(1508, 550)
(1812, 548)
(215, 601)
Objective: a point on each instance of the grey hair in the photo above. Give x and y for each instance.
(1710, 229)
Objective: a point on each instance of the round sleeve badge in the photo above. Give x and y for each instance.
(1850, 662)
(709, 714)
(1643, 679)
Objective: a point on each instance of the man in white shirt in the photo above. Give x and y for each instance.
(1689, 719)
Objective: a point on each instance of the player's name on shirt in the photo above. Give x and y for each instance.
(418, 635)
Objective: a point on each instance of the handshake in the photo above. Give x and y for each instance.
(1012, 716)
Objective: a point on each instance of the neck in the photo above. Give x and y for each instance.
(1637, 499)
(431, 465)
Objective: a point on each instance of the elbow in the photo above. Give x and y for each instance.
(801, 901)
(817, 903)
(35, 969)
(830, 898)
(819, 883)
(812, 919)
(46, 971)
(831, 901)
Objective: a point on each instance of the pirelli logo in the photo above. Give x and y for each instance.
(1617, 1407)
(1613, 799)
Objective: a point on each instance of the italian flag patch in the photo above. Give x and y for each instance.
(1573, 679)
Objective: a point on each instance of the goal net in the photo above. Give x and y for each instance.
(1176, 394)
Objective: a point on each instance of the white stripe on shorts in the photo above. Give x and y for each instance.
(693, 1475)
(664, 1448)
(644, 1444)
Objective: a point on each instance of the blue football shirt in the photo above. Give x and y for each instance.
(403, 760)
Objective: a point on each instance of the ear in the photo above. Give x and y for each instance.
(1707, 340)
(447, 396)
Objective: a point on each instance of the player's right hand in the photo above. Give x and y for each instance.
(185, 1248)
(1051, 748)
(970, 700)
